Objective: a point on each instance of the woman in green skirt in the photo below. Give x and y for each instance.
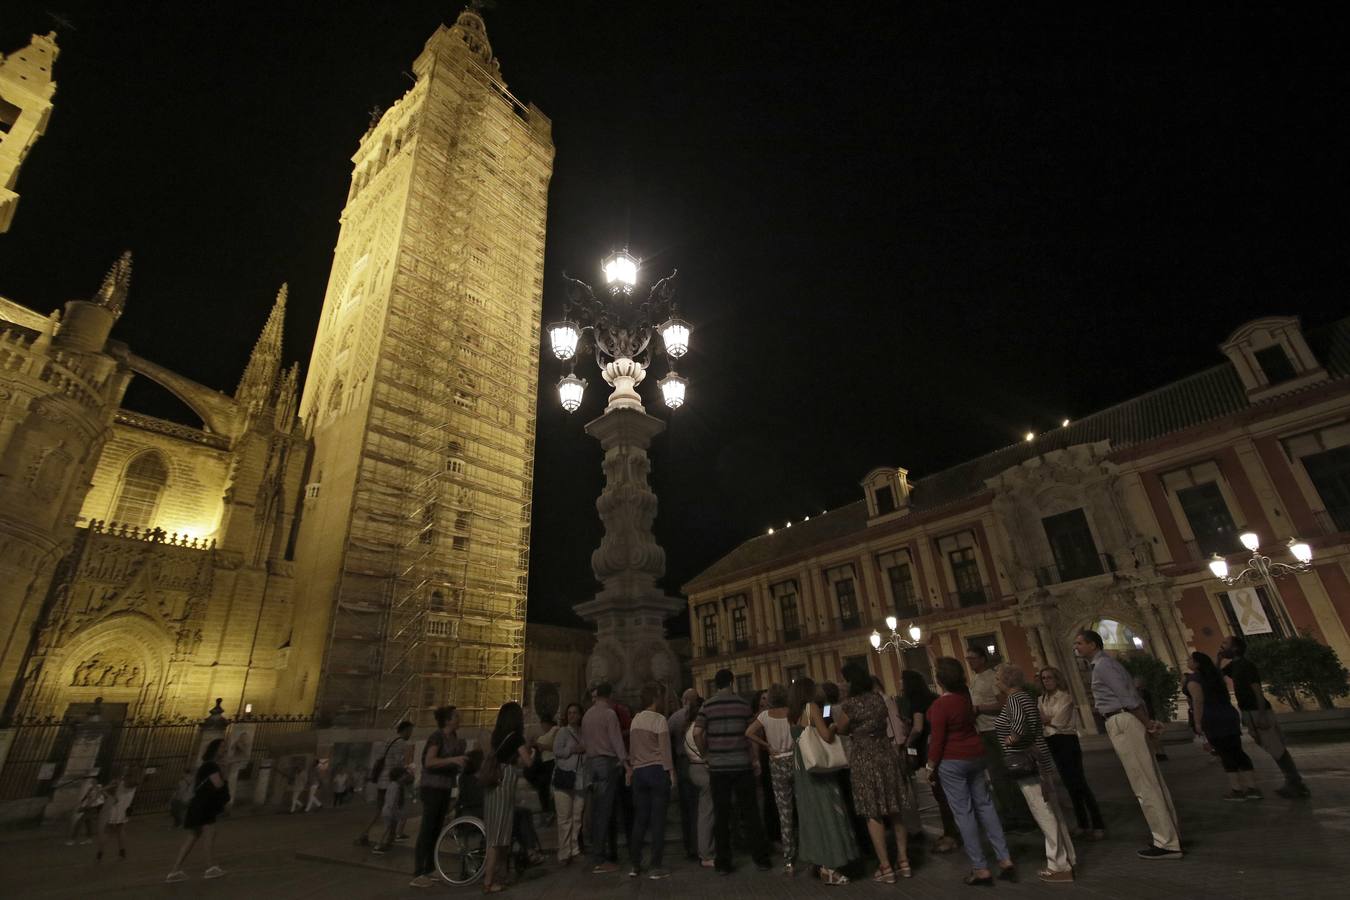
(825, 835)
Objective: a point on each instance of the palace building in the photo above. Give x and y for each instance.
(1107, 522)
(353, 545)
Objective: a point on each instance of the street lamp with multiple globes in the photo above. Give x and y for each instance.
(619, 327)
(896, 641)
(624, 327)
(1260, 569)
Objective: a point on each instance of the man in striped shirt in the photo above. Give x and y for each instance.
(719, 733)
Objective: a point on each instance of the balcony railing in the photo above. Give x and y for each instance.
(970, 597)
(788, 635)
(848, 622)
(1100, 565)
(710, 650)
(740, 644)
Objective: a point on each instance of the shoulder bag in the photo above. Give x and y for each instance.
(1020, 763)
(819, 757)
(490, 773)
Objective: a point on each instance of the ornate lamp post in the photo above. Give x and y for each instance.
(1260, 570)
(623, 327)
(895, 641)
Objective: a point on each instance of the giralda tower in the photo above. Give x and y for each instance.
(413, 548)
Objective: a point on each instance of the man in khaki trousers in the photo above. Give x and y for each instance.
(1128, 726)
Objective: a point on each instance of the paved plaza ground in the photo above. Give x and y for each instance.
(1274, 848)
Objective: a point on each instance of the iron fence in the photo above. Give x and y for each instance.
(157, 752)
(31, 747)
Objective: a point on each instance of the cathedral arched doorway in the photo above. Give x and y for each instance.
(122, 660)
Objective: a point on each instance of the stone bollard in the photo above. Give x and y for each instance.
(81, 764)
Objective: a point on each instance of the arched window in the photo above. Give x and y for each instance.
(335, 399)
(142, 486)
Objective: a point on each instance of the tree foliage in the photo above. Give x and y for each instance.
(1162, 683)
(1299, 665)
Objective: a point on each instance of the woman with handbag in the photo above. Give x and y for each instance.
(501, 769)
(569, 795)
(824, 832)
(879, 792)
(772, 732)
(956, 757)
(209, 799)
(701, 781)
(1026, 757)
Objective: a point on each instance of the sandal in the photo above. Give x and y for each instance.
(1007, 873)
(493, 888)
(945, 844)
(833, 877)
(884, 875)
(904, 869)
(976, 881)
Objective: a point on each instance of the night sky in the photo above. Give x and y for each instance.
(906, 233)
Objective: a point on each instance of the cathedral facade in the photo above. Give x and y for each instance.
(355, 546)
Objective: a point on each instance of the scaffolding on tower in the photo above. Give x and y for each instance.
(431, 600)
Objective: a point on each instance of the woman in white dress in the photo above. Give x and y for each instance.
(114, 815)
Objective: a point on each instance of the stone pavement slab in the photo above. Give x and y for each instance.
(1272, 848)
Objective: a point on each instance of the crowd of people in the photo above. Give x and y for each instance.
(826, 774)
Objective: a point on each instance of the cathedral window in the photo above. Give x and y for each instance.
(142, 486)
(9, 114)
(335, 399)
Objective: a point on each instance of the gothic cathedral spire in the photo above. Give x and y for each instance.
(112, 293)
(260, 375)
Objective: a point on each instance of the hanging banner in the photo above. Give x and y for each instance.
(1249, 612)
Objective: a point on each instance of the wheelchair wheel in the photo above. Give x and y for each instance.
(461, 851)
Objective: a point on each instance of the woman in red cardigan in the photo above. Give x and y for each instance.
(956, 758)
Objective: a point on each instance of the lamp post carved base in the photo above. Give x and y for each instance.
(630, 610)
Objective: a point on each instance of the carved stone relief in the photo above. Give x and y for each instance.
(107, 671)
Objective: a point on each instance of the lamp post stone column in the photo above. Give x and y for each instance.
(630, 610)
(622, 328)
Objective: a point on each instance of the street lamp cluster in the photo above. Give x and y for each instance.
(896, 641)
(1260, 568)
(619, 327)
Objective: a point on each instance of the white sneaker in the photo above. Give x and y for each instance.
(178, 875)
(214, 872)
